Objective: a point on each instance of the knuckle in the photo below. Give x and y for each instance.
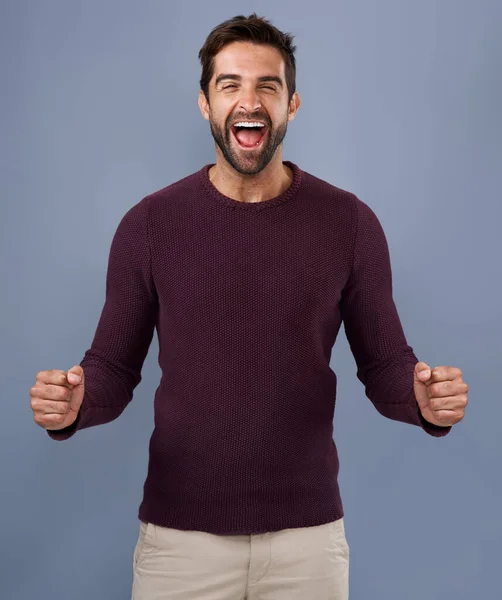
(50, 391)
(61, 393)
(444, 416)
(57, 407)
(434, 403)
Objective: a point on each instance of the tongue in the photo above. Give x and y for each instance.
(249, 137)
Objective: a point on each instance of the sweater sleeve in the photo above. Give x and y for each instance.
(112, 365)
(385, 361)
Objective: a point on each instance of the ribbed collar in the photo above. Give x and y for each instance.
(237, 204)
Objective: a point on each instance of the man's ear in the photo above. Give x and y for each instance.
(203, 105)
(294, 105)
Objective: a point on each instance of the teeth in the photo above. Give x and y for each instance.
(249, 124)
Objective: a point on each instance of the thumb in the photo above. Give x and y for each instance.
(422, 372)
(76, 375)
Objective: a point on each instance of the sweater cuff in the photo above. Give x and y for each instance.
(430, 428)
(67, 432)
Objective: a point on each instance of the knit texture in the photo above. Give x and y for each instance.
(247, 300)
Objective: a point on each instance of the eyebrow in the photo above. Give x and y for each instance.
(261, 79)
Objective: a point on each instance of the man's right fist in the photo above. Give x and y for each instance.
(57, 396)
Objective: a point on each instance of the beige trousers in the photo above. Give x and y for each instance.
(308, 563)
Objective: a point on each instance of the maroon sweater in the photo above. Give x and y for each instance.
(247, 300)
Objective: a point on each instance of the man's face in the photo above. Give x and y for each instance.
(237, 94)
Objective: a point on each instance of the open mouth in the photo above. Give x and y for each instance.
(249, 138)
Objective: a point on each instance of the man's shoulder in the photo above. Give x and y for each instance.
(324, 184)
(340, 196)
(329, 193)
(175, 190)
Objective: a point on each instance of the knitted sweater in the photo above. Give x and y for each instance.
(247, 300)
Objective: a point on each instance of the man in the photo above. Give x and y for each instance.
(246, 268)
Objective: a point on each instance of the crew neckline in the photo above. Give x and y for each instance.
(289, 193)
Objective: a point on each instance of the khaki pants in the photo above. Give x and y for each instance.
(308, 563)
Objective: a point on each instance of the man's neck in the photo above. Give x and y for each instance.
(273, 181)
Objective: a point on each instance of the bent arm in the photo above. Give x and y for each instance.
(385, 361)
(113, 363)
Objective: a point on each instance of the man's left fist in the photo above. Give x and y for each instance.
(441, 394)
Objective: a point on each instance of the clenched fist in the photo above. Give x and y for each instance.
(57, 396)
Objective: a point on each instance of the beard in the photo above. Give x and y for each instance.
(251, 162)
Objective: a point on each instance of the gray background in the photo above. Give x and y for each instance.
(401, 105)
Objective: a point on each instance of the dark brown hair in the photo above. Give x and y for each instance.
(247, 29)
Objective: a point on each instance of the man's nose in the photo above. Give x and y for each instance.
(249, 100)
